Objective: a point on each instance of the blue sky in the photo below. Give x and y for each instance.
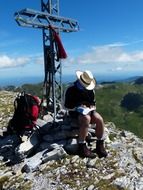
(109, 42)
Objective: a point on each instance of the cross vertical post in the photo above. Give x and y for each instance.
(52, 81)
(48, 19)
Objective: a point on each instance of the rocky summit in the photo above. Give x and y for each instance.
(47, 160)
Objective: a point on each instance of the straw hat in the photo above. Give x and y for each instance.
(86, 79)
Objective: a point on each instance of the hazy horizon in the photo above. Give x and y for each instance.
(18, 81)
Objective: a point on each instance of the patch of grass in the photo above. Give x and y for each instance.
(112, 136)
(136, 158)
(3, 180)
(18, 183)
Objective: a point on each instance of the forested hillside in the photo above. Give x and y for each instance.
(122, 103)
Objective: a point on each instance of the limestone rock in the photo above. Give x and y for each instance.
(25, 148)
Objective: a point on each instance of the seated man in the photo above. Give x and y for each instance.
(79, 96)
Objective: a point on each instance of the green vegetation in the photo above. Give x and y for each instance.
(109, 100)
(34, 89)
(121, 103)
(132, 101)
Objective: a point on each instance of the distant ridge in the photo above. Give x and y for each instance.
(18, 81)
(132, 79)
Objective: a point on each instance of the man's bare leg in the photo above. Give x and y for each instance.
(98, 120)
(84, 122)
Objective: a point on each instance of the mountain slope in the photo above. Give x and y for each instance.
(109, 99)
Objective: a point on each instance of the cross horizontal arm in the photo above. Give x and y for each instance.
(38, 19)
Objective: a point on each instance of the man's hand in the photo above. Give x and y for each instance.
(93, 106)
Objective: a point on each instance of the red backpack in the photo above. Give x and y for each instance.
(26, 112)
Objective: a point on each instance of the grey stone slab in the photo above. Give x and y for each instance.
(55, 154)
(32, 163)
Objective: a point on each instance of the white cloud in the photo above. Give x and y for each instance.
(117, 69)
(8, 62)
(138, 56)
(39, 60)
(111, 53)
(13, 62)
(117, 44)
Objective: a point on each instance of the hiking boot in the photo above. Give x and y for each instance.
(89, 140)
(100, 150)
(83, 151)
